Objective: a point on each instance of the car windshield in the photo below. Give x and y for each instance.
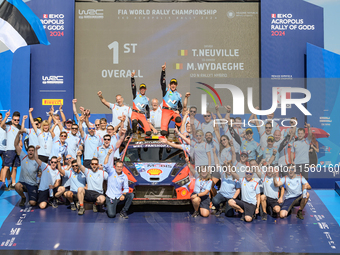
(162, 154)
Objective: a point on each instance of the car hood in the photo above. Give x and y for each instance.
(154, 172)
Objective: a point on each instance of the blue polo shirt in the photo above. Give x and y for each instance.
(77, 180)
(294, 186)
(228, 186)
(249, 190)
(301, 149)
(95, 179)
(29, 170)
(268, 152)
(91, 142)
(201, 185)
(48, 176)
(249, 146)
(57, 149)
(269, 188)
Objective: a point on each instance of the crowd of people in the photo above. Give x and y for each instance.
(73, 160)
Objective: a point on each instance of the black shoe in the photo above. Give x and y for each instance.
(264, 216)
(299, 215)
(218, 213)
(124, 215)
(54, 203)
(81, 210)
(60, 201)
(23, 201)
(242, 217)
(195, 214)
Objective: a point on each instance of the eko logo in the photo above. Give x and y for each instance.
(52, 79)
(238, 99)
(91, 14)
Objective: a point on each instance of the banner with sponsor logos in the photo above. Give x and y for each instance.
(52, 67)
(323, 79)
(200, 43)
(286, 27)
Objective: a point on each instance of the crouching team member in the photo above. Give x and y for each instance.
(200, 197)
(172, 104)
(77, 180)
(250, 194)
(140, 107)
(29, 169)
(270, 198)
(94, 179)
(296, 187)
(50, 181)
(117, 187)
(230, 189)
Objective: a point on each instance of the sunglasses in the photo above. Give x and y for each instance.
(97, 125)
(68, 158)
(53, 162)
(244, 155)
(94, 164)
(75, 128)
(249, 133)
(268, 127)
(205, 116)
(193, 111)
(92, 128)
(107, 139)
(16, 119)
(249, 173)
(63, 136)
(75, 166)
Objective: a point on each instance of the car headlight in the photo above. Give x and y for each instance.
(183, 181)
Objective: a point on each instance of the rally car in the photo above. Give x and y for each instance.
(157, 173)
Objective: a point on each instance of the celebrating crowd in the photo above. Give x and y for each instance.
(74, 161)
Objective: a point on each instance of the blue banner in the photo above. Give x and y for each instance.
(286, 27)
(15, 81)
(52, 66)
(323, 73)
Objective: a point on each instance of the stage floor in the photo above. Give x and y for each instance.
(155, 229)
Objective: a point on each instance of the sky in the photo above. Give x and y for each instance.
(331, 9)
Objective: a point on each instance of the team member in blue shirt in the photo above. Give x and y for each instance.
(230, 189)
(250, 197)
(94, 179)
(296, 192)
(28, 175)
(50, 180)
(172, 104)
(249, 144)
(272, 196)
(117, 187)
(91, 142)
(200, 197)
(300, 151)
(77, 180)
